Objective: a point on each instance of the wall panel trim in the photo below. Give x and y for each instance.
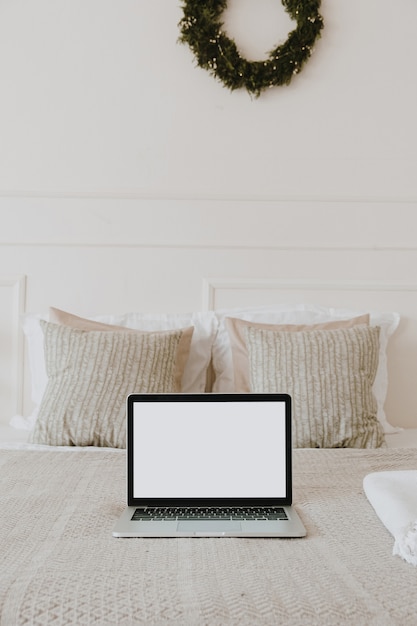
(212, 285)
(17, 285)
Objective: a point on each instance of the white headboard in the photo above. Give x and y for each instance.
(93, 255)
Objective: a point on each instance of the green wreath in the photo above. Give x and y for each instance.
(201, 29)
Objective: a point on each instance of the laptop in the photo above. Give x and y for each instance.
(209, 465)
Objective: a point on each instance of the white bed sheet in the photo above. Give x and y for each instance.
(8, 435)
(406, 438)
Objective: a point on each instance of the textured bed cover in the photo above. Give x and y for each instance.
(60, 564)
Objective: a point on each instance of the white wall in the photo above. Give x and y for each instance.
(97, 96)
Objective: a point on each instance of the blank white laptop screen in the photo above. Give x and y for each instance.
(209, 450)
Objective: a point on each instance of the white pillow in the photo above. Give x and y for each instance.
(195, 373)
(302, 314)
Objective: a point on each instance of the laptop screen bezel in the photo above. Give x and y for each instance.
(209, 397)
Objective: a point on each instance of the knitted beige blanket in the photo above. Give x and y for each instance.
(59, 563)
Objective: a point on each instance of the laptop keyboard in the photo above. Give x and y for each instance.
(209, 513)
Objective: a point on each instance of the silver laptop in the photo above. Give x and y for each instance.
(209, 465)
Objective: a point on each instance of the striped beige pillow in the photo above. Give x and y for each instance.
(90, 374)
(236, 330)
(329, 374)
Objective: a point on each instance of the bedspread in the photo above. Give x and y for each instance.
(61, 565)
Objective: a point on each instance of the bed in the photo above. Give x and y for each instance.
(62, 486)
(60, 564)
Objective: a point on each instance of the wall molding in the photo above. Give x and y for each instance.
(17, 285)
(213, 285)
(200, 224)
(115, 194)
(231, 247)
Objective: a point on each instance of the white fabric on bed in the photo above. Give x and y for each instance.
(393, 495)
(405, 438)
(11, 434)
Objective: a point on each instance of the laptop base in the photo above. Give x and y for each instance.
(292, 527)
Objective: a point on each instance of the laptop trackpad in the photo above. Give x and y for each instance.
(202, 526)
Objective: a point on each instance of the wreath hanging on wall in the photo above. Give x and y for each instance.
(202, 29)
